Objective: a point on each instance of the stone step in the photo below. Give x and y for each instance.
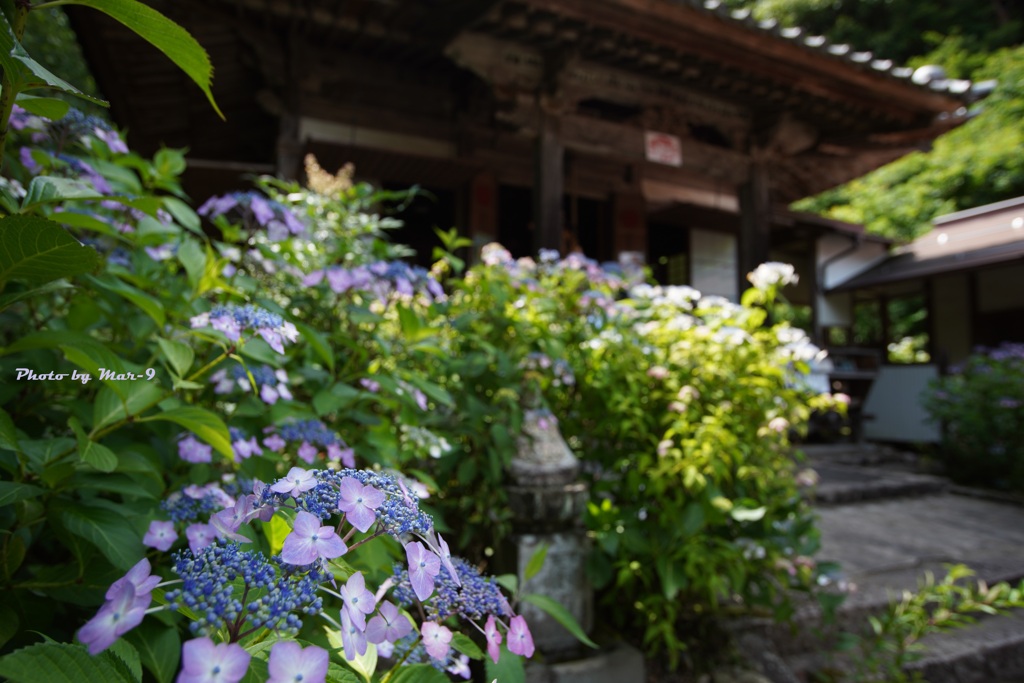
(844, 484)
(990, 650)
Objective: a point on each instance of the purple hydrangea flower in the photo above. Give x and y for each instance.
(295, 482)
(436, 640)
(460, 667)
(307, 452)
(275, 443)
(358, 502)
(227, 522)
(346, 456)
(199, 536)
(191, 449)
(353, 640)
(309, 541)
(203, 661)
(359, 602)
(423, 567)
(160, 535)
(121, 613)
(112, 140)
(290, 662)
(520, 641)
(388, 626)
(493, 636)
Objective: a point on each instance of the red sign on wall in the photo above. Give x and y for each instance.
(662, 148)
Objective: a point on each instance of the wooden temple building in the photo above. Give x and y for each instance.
(674, 130)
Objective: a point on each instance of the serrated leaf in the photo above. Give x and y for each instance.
(38, 251)
(96, 455)
(60, 663)
(110, 532)
(47, 107)
(561, 615)
(11, 492)
(536, 561)
(465, 645)
(204, 424)
(159, 648)
(180, 356)
(129, 656)
(53, 189)
(163, 34)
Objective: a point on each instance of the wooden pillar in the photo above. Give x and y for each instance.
(629, 224)
(755, 222)
(483, 212)
(548, 185)
(289, 147)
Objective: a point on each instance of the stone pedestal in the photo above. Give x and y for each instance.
(548, 505)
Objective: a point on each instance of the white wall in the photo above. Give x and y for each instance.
(866, 255)
(893, 409)
(713, 256)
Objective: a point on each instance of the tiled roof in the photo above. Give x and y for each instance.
(924, 77)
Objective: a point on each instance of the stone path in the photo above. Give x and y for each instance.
(886, 525)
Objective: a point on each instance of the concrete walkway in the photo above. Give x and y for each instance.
(886, 525)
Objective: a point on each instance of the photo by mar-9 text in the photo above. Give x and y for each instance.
(83, 377)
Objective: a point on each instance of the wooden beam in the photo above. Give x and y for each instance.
(755, 222)
(548, 185)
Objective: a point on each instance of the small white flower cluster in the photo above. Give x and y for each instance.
(773, 273)
(423, 440)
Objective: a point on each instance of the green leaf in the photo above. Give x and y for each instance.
(204, 424)
(7, 300)
(108, 407)
(183, 214)
(509, 582)
(465, 645)
(47, 107)
(109, 531)
(179, 355)
(419, 673)
(11, 492)
(38, 251)
(337, 674)
(318, 343)
(159, 648)
(25, 73)
(98, 456)
(9, 623)
(673, 577)
(163, 34)
(193, 257)
(61, 663)
(339, 396)
(8, 433)
(561, 615)
(150, 305)
(129, 656)
(509, 668)
(536, 561)
(52, 189)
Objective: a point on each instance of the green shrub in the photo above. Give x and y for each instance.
(981, 408)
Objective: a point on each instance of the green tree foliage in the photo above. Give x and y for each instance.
(975, 164)
(49, 37)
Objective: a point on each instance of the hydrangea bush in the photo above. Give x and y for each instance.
(219, 496)
(980, 406)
